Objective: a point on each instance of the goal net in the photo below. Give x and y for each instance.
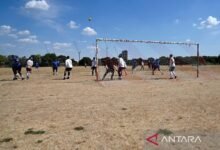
(141, 57)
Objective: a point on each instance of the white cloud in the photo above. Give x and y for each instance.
(47, 42)
(89, 31)
(188, 40)
(13, 36)
(53, 24)
(37, 4)
(12, 32)
(82, 41)
(29, 40)
(49, 17)
(210, 22)
(5, 29)
(91, 47)
(194, 25)
(8, 45)
(59, 46)
(33, 36)
(24, 32)
(73, 25)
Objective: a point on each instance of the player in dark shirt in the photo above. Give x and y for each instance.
(156, 65)
(55, 65)
(16, 68)
(109, 64)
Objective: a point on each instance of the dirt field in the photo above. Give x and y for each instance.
(49, 113)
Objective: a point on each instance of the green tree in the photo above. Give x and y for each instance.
(3, 60)
(164, 60)
(219, 59)
(36, 58)
(23, 61)
(211, 59)
(86, 60)
(75, 63)
(47, 59)
(9, 60)
(61, 58)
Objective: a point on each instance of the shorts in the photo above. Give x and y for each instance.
(172, 68)
(28, 69)
(110, 70)
(68, 69)
(154, 67)
(16, 69)
(55, 69)
(93, 68)
(121, 68)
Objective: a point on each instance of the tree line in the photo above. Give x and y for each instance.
(46, 60)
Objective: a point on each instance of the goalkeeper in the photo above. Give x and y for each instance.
(110, 68)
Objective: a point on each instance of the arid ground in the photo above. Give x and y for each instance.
(48, 113)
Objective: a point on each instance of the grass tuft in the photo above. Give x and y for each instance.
(15, 146)
(6, 140)
(31, 131)
(79, 128)
(39, 141)
(164, 131)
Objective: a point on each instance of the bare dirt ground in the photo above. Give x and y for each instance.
(80, 113)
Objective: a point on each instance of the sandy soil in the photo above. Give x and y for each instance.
(114, 114)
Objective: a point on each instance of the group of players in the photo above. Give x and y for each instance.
(110, 65)
(120, 66)
(16, 68)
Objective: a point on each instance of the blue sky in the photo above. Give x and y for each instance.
(40, 26)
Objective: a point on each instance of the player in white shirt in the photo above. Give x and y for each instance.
(68, 67)
(172, 67)
(29, 67)
(121, 66)
(94, 67)
(142, 65)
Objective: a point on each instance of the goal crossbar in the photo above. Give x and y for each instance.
(145, 41)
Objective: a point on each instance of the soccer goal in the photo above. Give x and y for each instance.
(143, 54)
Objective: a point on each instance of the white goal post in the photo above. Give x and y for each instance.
(150, 42)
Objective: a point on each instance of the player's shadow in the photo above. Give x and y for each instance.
(109, 80)
(58, 79)
(158, 78)
(87, 75)
(71, 81)
(2, 80)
